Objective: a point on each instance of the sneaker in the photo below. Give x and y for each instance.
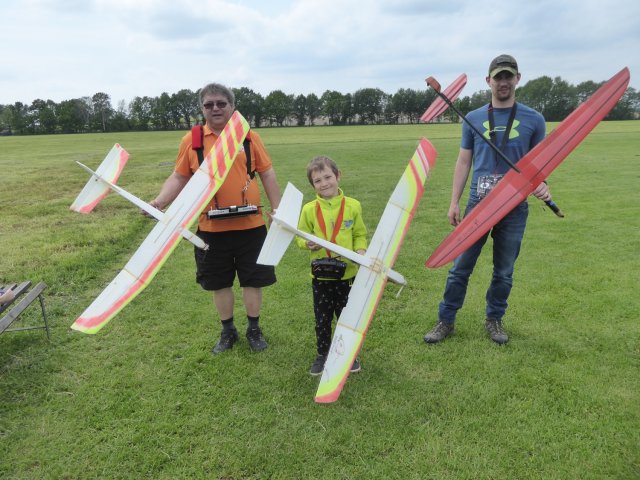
(439, 332)
(318, 365)
(227, 339)
(257, 343)
(355, 366)
(497, 334)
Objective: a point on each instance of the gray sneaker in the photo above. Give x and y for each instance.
(439, 332)
(497, 334)
(256, 340)
(227, 339)
(318, 365)
(355, 366)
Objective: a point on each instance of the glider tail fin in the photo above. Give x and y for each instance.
(95, 190)
(283, 227)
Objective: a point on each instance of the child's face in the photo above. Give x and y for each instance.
(325, 183)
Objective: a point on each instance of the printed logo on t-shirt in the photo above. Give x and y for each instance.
(512, 134)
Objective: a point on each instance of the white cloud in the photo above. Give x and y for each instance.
(126, 48)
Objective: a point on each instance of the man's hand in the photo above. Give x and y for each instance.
(154, 204)
(454, 214)
(542, 192)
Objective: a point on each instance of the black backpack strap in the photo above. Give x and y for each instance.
(247, 152)
(197, 142)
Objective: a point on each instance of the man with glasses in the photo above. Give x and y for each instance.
(234, 240)
(515, 129)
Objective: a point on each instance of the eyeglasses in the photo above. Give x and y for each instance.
(220, 104)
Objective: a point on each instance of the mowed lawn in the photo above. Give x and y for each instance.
(144, 398)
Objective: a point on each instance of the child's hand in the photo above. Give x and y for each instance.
(313, 246)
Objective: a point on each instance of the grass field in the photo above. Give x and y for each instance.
(144, 398)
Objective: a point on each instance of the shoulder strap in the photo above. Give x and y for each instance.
(323, 226)
(247, 153)
(197, 141)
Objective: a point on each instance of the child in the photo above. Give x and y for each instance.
(338, 219)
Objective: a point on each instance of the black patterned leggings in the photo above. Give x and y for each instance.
(329, 298)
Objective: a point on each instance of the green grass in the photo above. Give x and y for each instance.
(144, 398)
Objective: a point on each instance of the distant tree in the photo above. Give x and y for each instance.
(140, 110)
(73, 115)
(408, 104)
(120, 120)
(18, 118)
(4, 123)
(86, 111)
(463, 104)
(48, 117)
(368, 104)
(314, 107)
(450, 114)
(395, 107)
(535, 93)
(278, 106)
(480, 98)
(185, 104)
(101, 110)
(585, 89)
(626, 107)
(417, 105)
(562, 101)
(161, 117)
(175, 116)
(347, 111)
(250, 104)
(554, 98)
(42, 117)
(299, 111)
(635, 101)
(332, 106)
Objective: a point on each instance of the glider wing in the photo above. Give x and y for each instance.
(369, 283)
(283, 227)
(534, 167)
(438, 106)
(155, 249)
(95, 190)
(151, 210)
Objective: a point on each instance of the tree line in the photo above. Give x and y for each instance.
(554, 98)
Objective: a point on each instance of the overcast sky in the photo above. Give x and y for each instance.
(64, 49)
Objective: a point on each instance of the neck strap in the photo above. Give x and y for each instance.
(323, 226)
(492, 128)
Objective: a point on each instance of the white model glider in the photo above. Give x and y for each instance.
(172, 224)
(370, 281)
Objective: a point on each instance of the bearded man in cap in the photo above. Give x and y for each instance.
(515, 129)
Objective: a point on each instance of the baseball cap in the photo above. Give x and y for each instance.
(503, 63)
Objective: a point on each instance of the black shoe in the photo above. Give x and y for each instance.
(257, 343)
(227, 339)
(439, 332)
(355, 366)
(497, 334)
(318, 366)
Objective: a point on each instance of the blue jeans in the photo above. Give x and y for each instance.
(507, 236)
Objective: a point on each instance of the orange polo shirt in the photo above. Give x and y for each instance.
(230, 193)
